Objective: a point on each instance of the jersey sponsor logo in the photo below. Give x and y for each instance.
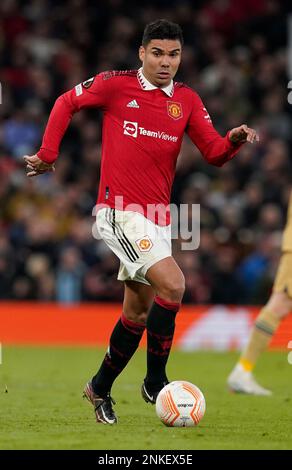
(133, 129)
(144, 243)
(88, 83)
(174, 110)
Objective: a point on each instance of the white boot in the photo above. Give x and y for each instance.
(241, 381)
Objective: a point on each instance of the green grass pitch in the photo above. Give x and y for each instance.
(43, 408)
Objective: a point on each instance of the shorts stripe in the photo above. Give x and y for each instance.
(124, 236)
(125, 244)
(123, 239)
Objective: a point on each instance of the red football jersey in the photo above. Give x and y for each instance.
(143, 128)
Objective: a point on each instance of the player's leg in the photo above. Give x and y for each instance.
(128, 330)
(138, 299)
(266, 324)
(278, 307)
(125, 336)
(167, 280)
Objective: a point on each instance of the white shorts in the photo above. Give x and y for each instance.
(137, 241)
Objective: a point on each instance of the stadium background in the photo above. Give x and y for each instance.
(58, 289)
(235, 55)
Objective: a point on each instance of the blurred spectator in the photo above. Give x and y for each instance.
(69, 276)
(257, 269)
(226, 288)
(38, 269)
(20, 136)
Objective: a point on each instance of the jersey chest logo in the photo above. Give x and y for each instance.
(174, 110)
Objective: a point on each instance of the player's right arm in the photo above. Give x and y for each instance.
(92, 93)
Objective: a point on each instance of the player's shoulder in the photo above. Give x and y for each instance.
(188, 91)
(109, 80)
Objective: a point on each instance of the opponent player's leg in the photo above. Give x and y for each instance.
(167, 280)
(123, 343)
(278, 307)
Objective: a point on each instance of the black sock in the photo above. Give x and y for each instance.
(160, 330)
(124, 341)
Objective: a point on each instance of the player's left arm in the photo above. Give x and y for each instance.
(216, 149)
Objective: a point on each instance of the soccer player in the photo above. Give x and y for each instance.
(278, 307)
(146, 115)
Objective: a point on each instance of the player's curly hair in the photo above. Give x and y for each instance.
(162, 29)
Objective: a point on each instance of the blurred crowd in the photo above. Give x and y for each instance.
(235, 56)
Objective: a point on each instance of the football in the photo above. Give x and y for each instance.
(180, 404)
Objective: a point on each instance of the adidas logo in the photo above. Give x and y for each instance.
(133, 104)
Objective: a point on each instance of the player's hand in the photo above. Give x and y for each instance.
(35, 166)
(242, 134)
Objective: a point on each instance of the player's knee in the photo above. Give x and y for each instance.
(172, 290)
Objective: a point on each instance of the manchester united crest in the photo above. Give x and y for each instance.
(174, 110)
(144, 244)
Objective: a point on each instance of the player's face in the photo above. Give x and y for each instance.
(161, 59)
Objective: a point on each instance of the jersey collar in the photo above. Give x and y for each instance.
(146, 85)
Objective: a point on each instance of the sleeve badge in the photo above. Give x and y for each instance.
(88, 83)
